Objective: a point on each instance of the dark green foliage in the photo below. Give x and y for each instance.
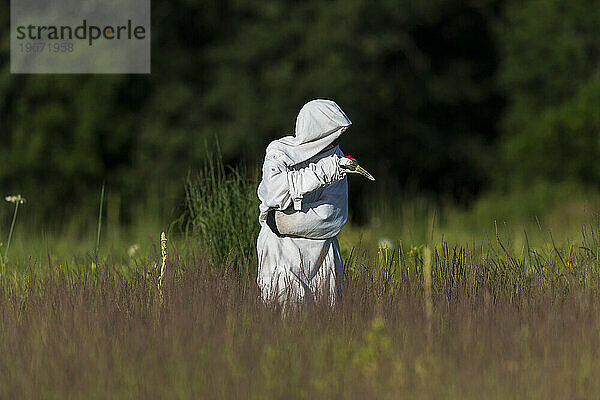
(562, 143)
(425, 84)
(415, 79)
(550, 73)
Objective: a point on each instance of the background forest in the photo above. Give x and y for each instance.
(452, 102)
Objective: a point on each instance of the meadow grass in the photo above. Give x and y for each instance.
(486, 323)
(510, 312)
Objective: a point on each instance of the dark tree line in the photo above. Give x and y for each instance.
(447, 97)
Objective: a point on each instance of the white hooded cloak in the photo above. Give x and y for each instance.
(306, 189)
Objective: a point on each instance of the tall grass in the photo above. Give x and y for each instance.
(486, 324)
(481, 320)
(100, 218)
(222, 209)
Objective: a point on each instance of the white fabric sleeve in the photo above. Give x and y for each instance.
(322, 219)
(282, 187)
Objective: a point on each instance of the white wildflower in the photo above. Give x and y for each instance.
(133, 249)
(385, 243)
(15, 199)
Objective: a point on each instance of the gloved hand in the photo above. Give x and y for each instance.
(271, 222)
(349, 164)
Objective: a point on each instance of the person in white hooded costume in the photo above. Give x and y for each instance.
(304, 205)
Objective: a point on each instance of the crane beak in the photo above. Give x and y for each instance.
(364, 173)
